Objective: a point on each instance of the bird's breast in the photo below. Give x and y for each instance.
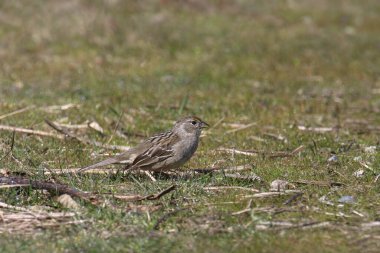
(186, 148)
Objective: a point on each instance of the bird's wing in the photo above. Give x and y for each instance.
(156, 153)
(155, 149)
(151, 157)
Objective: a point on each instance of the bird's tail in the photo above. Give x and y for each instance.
(99, 164)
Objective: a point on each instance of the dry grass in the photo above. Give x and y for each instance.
(291, 90)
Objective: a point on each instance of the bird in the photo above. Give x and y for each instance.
(164, 151)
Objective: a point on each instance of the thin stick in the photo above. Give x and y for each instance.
(52, 187)
(236, 151)
(13, 186)
(53, 108)
(150, 175)
(292, 198)
(16, 112)
(298, 150)
(276, 137)
(66, 132)
(289, 225)
(31, 215)
(244, 177)
(82, 140)
(190, 174)
(18, 208)
(240, 168)
(265, 153)
(80, 126)
(316, 129)
(241, 128)
(75, 170)
(218, 188)
(367, 167)
(270, 210)
(222, 169)
(246, 210)
(318, 183)
(30, 131)
(271, 194)
(148, 197)
(160, 194)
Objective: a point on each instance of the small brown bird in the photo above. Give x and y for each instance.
(164, 151)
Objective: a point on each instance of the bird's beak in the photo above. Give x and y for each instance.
(204, 125)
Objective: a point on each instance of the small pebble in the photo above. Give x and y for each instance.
(333, 159)
(279, 185)
(359, 173)
(347, 199)
(370, 150)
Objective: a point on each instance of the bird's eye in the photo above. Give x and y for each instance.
(193, 122)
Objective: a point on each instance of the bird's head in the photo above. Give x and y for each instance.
(190, 126)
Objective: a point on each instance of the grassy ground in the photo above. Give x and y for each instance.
(139, 65)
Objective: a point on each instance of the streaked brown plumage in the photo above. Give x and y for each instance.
(168, 150)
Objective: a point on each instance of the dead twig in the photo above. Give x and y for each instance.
(60, 189)
(318, 183)
(278, 225)
(272, 194)
(292, 198)
(244, 167)
(236, 151)
(34, 215)
(78, 126)
(276, 137)
(56, 108)
(82, 140)
(16, 112)
(269, 154)
(6, 186)
(150, 176)
(369, 225)
(367, 167)
(219, 188)
(243, 127)
(64, 131)
(71, 171)
(31, 131)
(252, 178)
(51, 187)
(17, 208)
(246, 209)
(148, 197)
(269, 210)
(317, 129)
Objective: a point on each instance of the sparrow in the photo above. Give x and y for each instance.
(163, 151)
